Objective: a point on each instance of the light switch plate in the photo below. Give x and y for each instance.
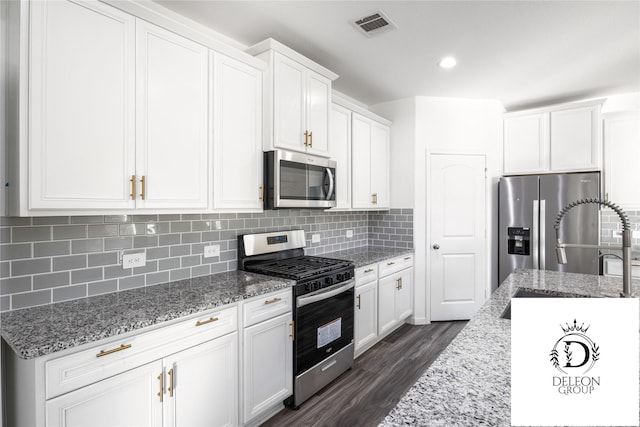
(349, 234)
(134, 260)
(315, 238)
(211, 251)
(218, 225)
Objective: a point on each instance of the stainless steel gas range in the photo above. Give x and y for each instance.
(323, 306)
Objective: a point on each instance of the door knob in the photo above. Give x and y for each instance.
(436, 246)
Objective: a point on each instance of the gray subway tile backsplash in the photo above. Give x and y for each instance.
(73, 257)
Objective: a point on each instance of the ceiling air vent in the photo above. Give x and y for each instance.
(374, 23)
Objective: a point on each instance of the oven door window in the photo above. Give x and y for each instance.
(299, 181)
(323, 328)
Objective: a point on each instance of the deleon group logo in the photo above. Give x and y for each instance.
(574, 355)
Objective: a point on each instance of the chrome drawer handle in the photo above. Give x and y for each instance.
(209, 320)
(407, 258)
(390, 263)
(369, 270)
(113, 350)
(271, 301)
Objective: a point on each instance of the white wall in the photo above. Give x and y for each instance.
(444, 125)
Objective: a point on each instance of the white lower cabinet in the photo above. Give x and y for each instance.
(384, 300)
(202, 384)
(267, 356)
(126, 399)
(366, 317)
(194, 387)
(394, 300)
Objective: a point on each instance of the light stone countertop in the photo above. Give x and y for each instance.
(38, 331)
(367, 255)
(469, 384)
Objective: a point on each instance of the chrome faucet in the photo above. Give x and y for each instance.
(626, 240)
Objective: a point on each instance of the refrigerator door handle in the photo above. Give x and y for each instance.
(542, 234)
(535, 234)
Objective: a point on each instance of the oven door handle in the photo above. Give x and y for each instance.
(324, 293)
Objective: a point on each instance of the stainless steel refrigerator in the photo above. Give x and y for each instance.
(528, 208)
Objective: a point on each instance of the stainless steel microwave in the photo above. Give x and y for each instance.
(297, 180)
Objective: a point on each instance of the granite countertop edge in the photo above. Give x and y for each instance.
(39, 331)
(469, 384)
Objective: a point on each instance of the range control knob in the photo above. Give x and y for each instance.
(347, 275)
(317, 285)
(341, 277)
(308, 287)
(329, 280)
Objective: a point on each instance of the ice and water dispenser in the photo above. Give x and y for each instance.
(518, 240)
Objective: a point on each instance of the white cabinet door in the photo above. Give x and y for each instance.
(288, 104)
(361, 162)
(366, 316)
(622, 156)
(394, 300)
(526, 143)
(318, 109)
(380, 165)
(171, 123)
(575, 140)
(237, 134)
(370, 163)
(268, 364)
(81, 102)
(386, 304)
(340, 126)
(128, 399)
(404, 287)
(202, 384)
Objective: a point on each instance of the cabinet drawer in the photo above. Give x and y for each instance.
(267, 306)
(366, 274)
(391, 266)
(115, 355)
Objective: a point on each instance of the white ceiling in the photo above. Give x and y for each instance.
(523, 53)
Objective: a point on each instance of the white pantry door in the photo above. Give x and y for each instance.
(457, 246)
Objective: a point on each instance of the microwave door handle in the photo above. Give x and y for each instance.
(330, 192)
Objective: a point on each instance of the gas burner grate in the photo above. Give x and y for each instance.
(298, 268)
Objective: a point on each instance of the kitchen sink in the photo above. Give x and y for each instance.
(531, 293)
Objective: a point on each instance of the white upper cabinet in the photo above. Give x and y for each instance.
(297, 100)
(369, 163)
(237, 134)
(171, 119)
(526, 143)
(622, 157)
(562, 138)
(575, 139)
(81, 107)
(340, 135)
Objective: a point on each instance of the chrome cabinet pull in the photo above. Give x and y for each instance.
(391, 263)
(407, 258)
(358, 302)
(369, 270)
(271, 301)
(113, 350)
(209, 320)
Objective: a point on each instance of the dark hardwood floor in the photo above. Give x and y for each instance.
(380, 377)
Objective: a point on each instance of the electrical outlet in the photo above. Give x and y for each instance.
(617, 233)
(635, 234)
(218, 225)
(134, 260)
(349, 234)
(211, 251)
(315, 238)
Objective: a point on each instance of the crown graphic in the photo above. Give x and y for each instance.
(575, 327)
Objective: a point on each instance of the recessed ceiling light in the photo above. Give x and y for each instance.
(448, 62)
